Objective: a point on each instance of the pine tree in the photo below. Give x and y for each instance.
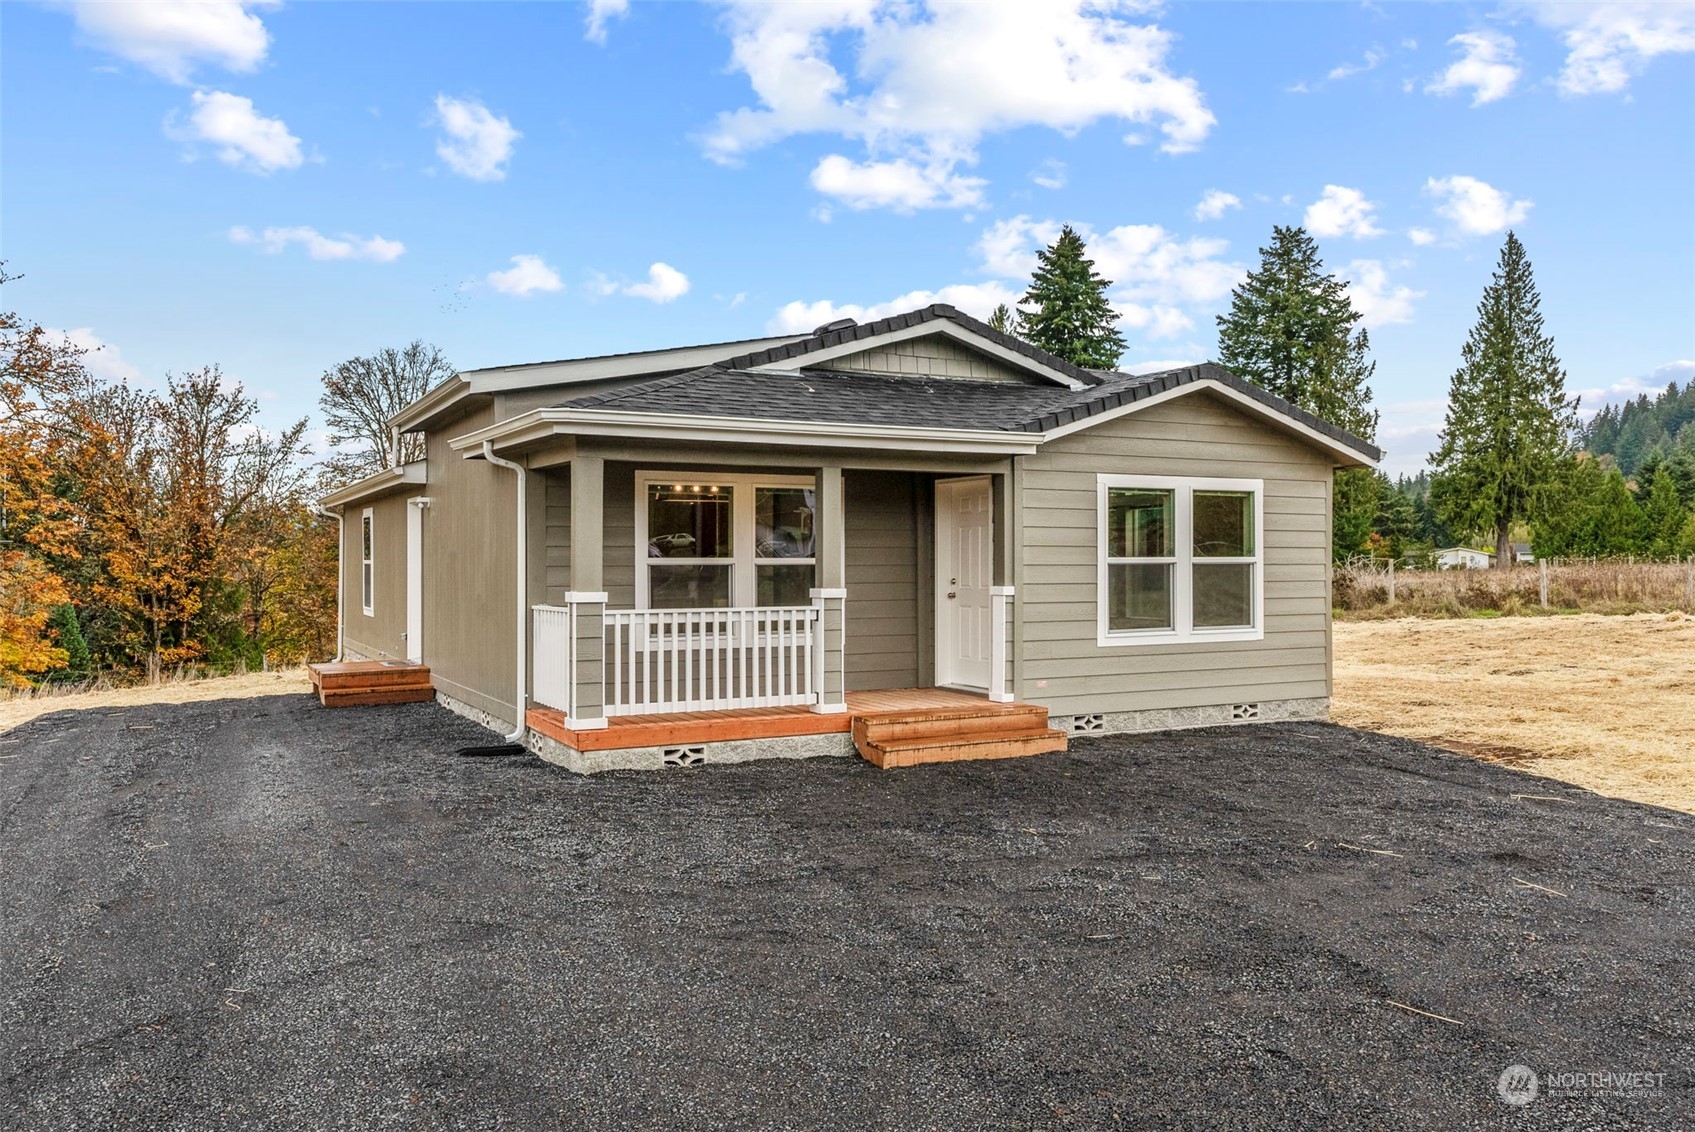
(1001, 319)
(1663, 515)
(67, 633)
(1509, 424)
(1618, 526)
(1292, 330)
(1065, 311)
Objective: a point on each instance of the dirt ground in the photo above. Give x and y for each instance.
(15, 709)
(258, 914)
(1607, 703)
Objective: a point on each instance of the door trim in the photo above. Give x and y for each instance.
(940, 596)
(415, 509)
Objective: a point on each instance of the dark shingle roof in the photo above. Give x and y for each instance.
(728, 389)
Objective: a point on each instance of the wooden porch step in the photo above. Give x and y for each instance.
(355, 683)
(980, 718)
(357, 697)
(1011, 744)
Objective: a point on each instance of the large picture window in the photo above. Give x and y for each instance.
(717, 541)
(1180, 560)
(367, 556)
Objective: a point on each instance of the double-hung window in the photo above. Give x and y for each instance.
(721, 541)
(1180, 560)
(367, 555)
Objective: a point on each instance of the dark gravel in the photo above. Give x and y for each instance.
(261, 914)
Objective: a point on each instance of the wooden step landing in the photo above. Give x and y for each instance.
(955, 733)
(357, 683)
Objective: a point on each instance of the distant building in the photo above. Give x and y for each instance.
(1521, 552)
(1463, 558)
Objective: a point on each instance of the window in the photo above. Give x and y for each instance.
(1180, 560)
(716, 541)
(367, 551)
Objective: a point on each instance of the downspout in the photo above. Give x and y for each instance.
(519, 696)
(340, 573)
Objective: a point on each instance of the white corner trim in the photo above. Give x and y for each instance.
(1001, 591)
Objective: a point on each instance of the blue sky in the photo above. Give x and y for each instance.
(277, 187)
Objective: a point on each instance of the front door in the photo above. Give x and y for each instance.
(965, 552)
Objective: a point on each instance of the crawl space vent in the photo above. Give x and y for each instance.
(1086, 724)
(685, 756)
(1244, 711)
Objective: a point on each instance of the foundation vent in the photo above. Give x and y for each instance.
(1243, 711)
(685, 756)
(1083, 724)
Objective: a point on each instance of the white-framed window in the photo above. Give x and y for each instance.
(367, 556)
(720, 541)
(1180, 560)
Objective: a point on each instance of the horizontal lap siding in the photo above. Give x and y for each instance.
(557, 541)
(1193, 436)
(381, 635)
(881, 575)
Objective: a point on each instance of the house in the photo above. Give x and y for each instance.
(867, 535)
(1523, 553)
(1463, 558)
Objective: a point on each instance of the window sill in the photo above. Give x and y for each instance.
(1133, 637)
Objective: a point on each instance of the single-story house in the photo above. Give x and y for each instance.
(749, 548)
(1464, 558)
(1523, 553)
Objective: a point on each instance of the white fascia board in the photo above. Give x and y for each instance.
(535, 375)
(1348, 457)
(924, 330)
(538, 424)
(378, 482)
(433, 401)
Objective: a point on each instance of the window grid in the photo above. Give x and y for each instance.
(744, 561)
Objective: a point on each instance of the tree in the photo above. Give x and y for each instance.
(1292, 330)
(1663, 516)
(1001, 319)
(1396, 522)
(1065, 311)
(361, 394)
(1509, 423)
(67, 635)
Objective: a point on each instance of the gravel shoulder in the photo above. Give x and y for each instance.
(262, 914)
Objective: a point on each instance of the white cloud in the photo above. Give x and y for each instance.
(1476, 207)
(1653, 383)
(170, 37)
(102, 358)
(319, 246)
(1608, 44)
(929, 83)
(1347, 70)
(600, 12)
(664, 283)
(527, 275)
(1379, 302)
(1421, 236)
(1488, 66)
(1342, 211)
(245, 138)
(477, 143)
(1160, 365)
(899, 184)
(975, 299)
(1215, 203)
(1008, 247)
(1050, 174)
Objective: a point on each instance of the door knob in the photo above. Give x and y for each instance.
(951, 594)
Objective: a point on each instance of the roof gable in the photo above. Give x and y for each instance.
(935, 355)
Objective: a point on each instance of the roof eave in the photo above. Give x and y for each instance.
(375, 484)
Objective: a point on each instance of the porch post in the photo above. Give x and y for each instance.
(586, 599)
(830, 598)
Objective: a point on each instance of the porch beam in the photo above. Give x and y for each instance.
(662, 455)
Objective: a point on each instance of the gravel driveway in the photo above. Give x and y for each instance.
(262, 914)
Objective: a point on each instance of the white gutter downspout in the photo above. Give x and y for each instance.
(340, 574)
(519, 697)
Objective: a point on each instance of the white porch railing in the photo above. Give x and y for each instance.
(660, 660)
(553, 674)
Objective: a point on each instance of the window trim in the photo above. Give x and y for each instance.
(745, 560)
(367, 561)
(1183, 630)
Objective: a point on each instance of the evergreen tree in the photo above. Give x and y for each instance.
(1618, 526)
(1065, 311)
(1509, 422)
(1292, 331)
(67, 635)
(1663, 515)
(1001, 319)
(1396, 522)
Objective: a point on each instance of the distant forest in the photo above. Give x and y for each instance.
(1633, 431)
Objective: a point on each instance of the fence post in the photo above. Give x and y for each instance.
(1689, 584)
(1543, 563)
(1391, 581)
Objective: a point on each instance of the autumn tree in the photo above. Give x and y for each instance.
(361, 394)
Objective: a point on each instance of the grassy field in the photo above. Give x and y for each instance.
(16, 708)
(1607, 703)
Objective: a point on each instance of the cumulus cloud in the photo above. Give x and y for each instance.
(664, 284)
(929, 83)
(1608, 44)
(1215, 203)
(527, 275)
(475, 142)
(1379, 302)
(1007, 248)
(102, 359)
(1653, 382)
(900, 184)
(1421, 236)
(1050, 174)
(1341, 211)
(600, 13)
(1488, 66)
(244, 138)
(171, 37)
(1476, 207)
(975, 299)
(318, 246)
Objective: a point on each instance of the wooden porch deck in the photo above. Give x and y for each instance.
(356, 683)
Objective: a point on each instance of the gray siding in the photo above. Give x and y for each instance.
(884, 564)
(377, 637)
(1198, 436)
(934, 356)
(556, 546)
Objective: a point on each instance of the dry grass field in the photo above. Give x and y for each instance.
(1607, 703)
(16, 708)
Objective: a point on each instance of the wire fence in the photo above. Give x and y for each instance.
(1595, 585)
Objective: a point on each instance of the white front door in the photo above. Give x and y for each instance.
(965, 552)
(415, 580)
